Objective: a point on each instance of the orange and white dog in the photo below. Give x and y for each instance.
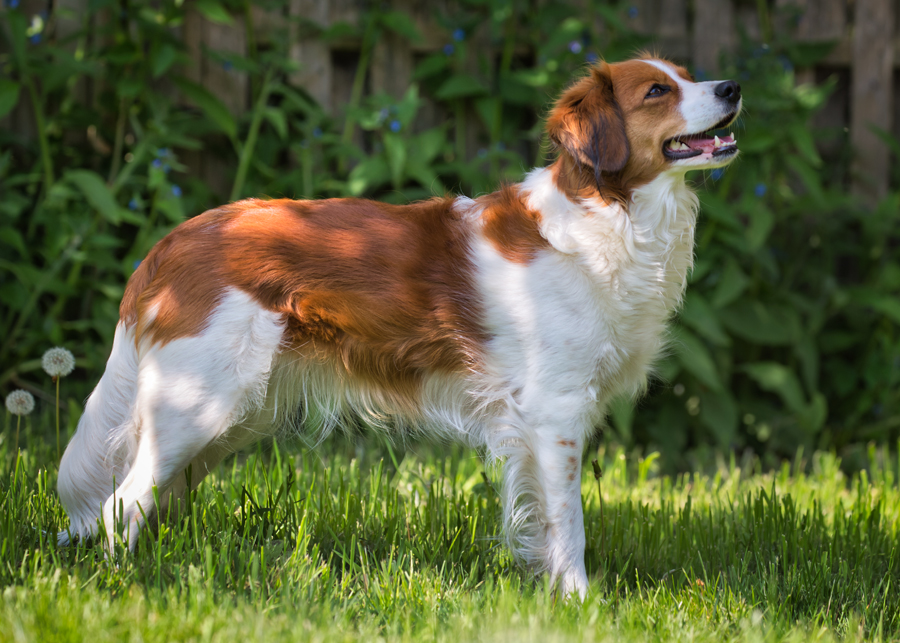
(507, 321)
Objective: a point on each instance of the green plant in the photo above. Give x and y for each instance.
(789, 335)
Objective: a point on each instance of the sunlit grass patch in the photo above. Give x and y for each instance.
(358, 541)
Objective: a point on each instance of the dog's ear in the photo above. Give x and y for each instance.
(587, 123)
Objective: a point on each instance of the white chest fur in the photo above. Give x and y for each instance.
(587, 317)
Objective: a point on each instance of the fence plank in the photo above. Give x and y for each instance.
(315, 74)
(674, 38)
(392, 59)
(871, 95)
(714, 34)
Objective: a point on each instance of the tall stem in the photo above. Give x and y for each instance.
(356, 93)
(58, 451)
(46, 161)
(250, 143)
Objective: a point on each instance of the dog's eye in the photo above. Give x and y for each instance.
(658, 90)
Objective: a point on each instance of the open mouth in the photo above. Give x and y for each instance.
(690, 145)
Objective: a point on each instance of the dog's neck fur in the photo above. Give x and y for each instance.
(651, 235)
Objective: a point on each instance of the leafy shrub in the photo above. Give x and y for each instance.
(789, 335)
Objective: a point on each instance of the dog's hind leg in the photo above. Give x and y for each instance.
(191, 391)
(99, 453)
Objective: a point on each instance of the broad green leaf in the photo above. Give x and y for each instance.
(884, 304)
(427, 145)
(806, 351)
(779, 379)
(395, 150)
(427, 178)
(276, 118)
(761, 324)
(762, 220)
(9, 95)
(162, 58)
(719, 414)
(811, 179)
(212, 106)
(460, 86)
(621, 412)
(805, 145)
(431, 66)
(129, 87)
(701, 317)
(214, 11)
(731, 285)
(401, 24)
(532, 77)
(370, 173)
(515, 92)
(96, 192)
(695, 358)
(814, 416)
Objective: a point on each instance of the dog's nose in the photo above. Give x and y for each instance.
(729, 90)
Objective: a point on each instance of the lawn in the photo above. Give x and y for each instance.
(359, 540)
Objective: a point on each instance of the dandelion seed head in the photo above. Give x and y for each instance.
(58, 362)
(20, 402)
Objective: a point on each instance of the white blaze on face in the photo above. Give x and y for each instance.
(700, 107)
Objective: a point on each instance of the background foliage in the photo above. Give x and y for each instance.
(790, 334)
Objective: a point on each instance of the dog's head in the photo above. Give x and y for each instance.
(628, 122)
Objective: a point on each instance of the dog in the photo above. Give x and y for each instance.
(507, 321)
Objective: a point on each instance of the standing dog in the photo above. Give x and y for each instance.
(507, 321)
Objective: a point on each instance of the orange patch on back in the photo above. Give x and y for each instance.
(511, 227)
(383, 290)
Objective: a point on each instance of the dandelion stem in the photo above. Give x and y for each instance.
(58, 453)
(18, 423)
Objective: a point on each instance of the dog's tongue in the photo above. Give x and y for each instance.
(707, 143)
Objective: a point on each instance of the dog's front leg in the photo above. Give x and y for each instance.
(542, 495)
(559, 474)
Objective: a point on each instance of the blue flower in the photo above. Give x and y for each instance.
(395, 125)
(383, 114)
(449, 49)
(157, 163)
(500, 146)
(575, 47)
(317, 132)
(166, 167)
(35, 39)
(133, 204)
(717, 174)
(162, 152)
(760, 190)
(591, 57)
(137, 262)
(176, 191)
(12, 4)
(227, 65)
(632, 12)
(482, 153)
(459, 34)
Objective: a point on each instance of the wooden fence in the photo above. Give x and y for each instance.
(695, 32)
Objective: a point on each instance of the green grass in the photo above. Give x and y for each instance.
(363, 542)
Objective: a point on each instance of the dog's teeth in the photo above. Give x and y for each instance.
(673, 145)
(717, 142)
(685, 147)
